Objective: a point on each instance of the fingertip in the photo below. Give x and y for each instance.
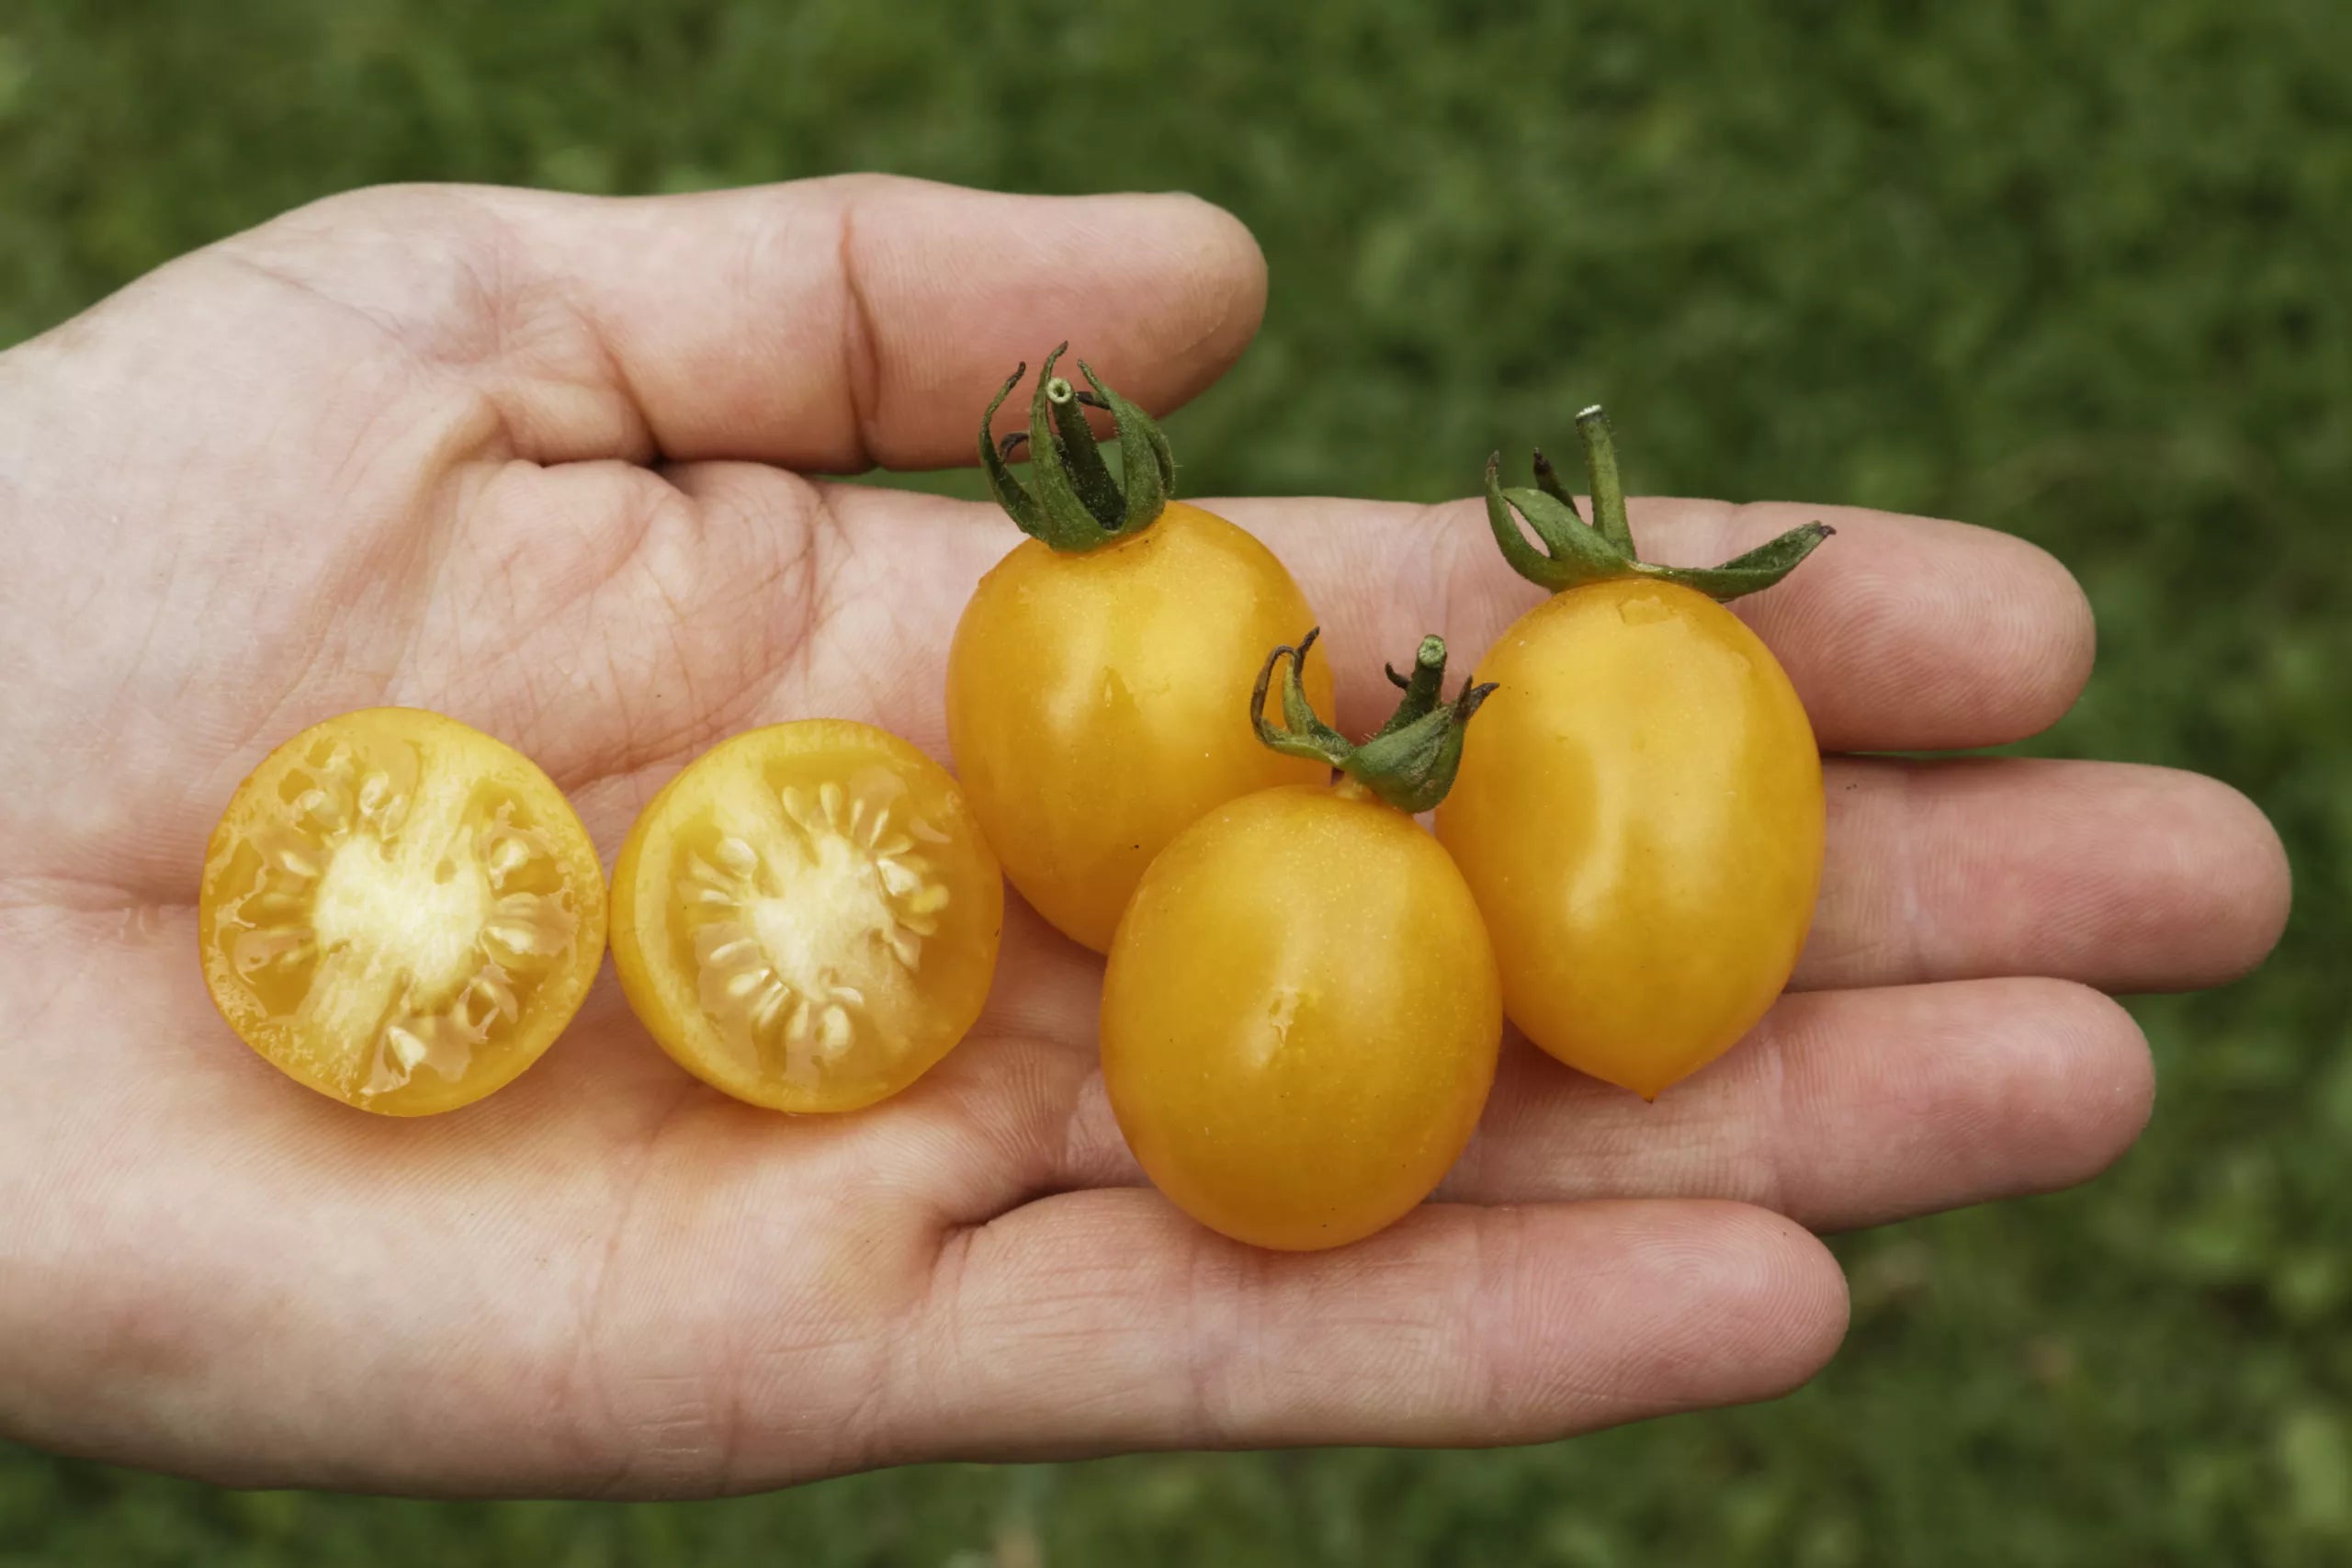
(2243, 885)
(2100, 1087)
(1783, 1294)
(1999, 636)
(1716, 1303)
(2041, 621)
(1228, 254)
(2188, 885)
(1920, 632)
(1204, 277)
(2007, 1088)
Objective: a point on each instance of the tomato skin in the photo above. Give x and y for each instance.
(1639, 811)
(1300, 1018)
(1098, 704)
(834, 908)
(450, 794)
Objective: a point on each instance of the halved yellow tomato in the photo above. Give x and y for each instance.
(807, 916)
(400, 911)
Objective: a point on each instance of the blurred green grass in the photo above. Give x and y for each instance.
(2078, 272)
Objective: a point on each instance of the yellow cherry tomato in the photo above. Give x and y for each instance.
(1098, 682)
(1301, 1013)
(1300, 1018)
(807, 916)
(1096, 704)
(1641, 819)
(400, 911)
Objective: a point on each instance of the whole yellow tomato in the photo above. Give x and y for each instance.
(400, 911)
(1096, 682)
(1301, 1013)
(1642, 818)
(807, 916)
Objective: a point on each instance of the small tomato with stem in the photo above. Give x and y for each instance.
(1301, 1014)
(1096, 679)
(1641, 818)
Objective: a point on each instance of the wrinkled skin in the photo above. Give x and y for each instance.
(539, 462)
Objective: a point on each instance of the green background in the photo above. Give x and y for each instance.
(2080, 271)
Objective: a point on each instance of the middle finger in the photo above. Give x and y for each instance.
(2124, 877)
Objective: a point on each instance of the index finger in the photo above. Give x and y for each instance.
(826, 324)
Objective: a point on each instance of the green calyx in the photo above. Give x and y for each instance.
(1073, 501)
(1410, 761)
(1575, 553)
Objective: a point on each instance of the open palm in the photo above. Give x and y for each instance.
(535, 462)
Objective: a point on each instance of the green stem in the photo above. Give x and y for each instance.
(1090, 475)
(1607, 489)
(1409, 762)
(1423, 689)
(1575, 553)
(1073, 501)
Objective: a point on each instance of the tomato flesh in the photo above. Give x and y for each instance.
(1300, 1018)
(1099, 704)
(400, 911)
(807, 917)
(1639, 811)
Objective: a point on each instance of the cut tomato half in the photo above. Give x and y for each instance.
(807, 916)
(400, 911)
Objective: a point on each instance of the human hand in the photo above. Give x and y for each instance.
(535, 461)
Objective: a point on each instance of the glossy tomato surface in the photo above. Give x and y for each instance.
(1300, 1018)
(807, 916)
(1099, 704)
(1639, 812)
(400, 911)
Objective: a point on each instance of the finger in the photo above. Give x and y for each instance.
(828, 324)
(2127, 878)
(1841, 1109)
(1105, 1320)
(1900, 633)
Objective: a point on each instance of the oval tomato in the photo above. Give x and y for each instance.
(400, 911)
(1641, 818)
(807, 916)
(1097, 682)
(1642, 822)
(1301, 1014)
